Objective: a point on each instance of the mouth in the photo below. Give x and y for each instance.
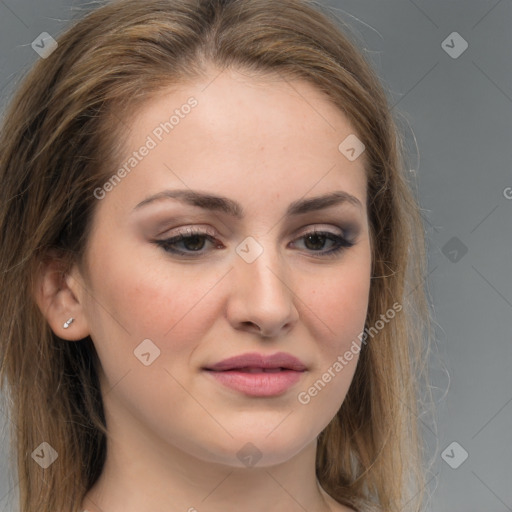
(258, 363)
(258, 375)
(248, 369)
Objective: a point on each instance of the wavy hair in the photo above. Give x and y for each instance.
(60, 138)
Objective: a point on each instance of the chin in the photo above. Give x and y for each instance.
(261, 447)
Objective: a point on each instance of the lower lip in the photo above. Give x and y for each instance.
(258, 384)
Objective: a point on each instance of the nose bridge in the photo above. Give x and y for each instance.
(260, 263)
(262, 292)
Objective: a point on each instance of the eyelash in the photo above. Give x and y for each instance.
(341, 243)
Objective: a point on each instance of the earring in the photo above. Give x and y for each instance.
(68, 323)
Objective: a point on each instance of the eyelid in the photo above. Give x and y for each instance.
(343, 242)
(189, 230)
(202, 230)
(320, 228)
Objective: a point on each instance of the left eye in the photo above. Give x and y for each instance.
(194, 242)
(319, 238)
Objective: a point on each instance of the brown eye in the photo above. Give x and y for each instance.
(316, 240)
(192, 242)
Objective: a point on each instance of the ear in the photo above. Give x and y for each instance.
(59, 295)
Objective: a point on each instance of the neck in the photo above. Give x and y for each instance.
(153, 475)
(147, 479)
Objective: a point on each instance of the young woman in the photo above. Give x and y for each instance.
(212, 268)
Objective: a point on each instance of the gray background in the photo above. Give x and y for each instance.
(458, 113)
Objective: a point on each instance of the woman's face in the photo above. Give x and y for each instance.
(248, 169)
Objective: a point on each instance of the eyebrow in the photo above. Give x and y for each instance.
(225, 205)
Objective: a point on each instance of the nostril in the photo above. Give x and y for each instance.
(253, 327)
(249, 324)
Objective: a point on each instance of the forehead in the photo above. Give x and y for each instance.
(230, 131)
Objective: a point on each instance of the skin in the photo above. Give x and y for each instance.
(175, 432)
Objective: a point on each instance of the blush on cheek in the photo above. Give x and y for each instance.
(341, 312)
(172, 313)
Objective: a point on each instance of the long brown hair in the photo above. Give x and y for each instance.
(60, 140)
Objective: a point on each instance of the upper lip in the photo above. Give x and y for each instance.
(255, 360)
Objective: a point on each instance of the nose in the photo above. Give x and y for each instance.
(262, 299)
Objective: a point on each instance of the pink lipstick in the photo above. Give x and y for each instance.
(257, 374)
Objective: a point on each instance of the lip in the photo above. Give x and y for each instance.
(246, 373)
(256, 360)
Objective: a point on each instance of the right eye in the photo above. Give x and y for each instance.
(192, 243)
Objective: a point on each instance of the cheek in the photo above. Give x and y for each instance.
(338, 305)
(337, 310)
(157, 302)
